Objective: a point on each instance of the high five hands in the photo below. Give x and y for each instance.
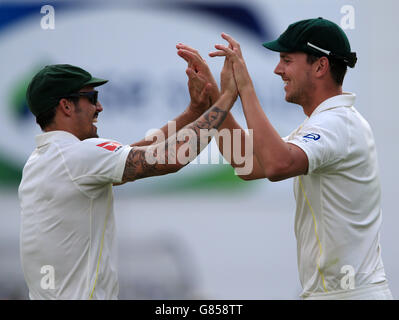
(200, 80)
(202, 86)
(233, 55)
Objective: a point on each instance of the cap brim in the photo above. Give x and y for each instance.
(276, 46)
(95, 82)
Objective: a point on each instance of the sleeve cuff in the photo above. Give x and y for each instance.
(311, 163)
(120, 167)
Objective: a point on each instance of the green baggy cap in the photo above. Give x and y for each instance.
(319, 37)
(53, 82)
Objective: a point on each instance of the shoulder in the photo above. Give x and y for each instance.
(323, 137)
(101, 144)
(336, 117)
(92, 149)
(329, 124)
(95, 144)
(96, 160)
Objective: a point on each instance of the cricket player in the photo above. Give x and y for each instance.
(67, 240)
(331, 155)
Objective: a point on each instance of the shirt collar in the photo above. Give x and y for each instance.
(346, 99)
(47, 137)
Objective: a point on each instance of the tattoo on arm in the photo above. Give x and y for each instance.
(137, 166)
(212, 119)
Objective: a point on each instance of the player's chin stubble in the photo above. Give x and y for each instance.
(293, 97)
(298, 97)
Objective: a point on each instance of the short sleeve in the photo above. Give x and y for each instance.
(96, 162)
(324, 139)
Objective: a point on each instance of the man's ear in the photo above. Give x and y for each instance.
(322, 66)
(65, 106)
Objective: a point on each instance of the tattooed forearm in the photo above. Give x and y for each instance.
(136, 166)
(195, 136)
(171, 154)
(212, 119)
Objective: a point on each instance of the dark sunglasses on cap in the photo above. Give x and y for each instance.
(92, 96)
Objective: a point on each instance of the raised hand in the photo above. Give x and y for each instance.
(234, 55)
(200, 92)
(200, 67)
(227, 82)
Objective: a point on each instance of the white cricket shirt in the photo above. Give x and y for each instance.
(67, 240)
(338, 209)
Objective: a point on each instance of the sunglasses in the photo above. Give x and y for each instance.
(92, 96)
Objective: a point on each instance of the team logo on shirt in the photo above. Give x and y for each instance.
(110, 145)
(313, 136)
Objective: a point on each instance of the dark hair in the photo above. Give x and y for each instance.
(46, 118)
(337, 68)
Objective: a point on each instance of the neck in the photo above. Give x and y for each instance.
(318, 98)
(55, 126)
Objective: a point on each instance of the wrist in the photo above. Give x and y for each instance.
(228, 98)
(247, 89)
(193, 111)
